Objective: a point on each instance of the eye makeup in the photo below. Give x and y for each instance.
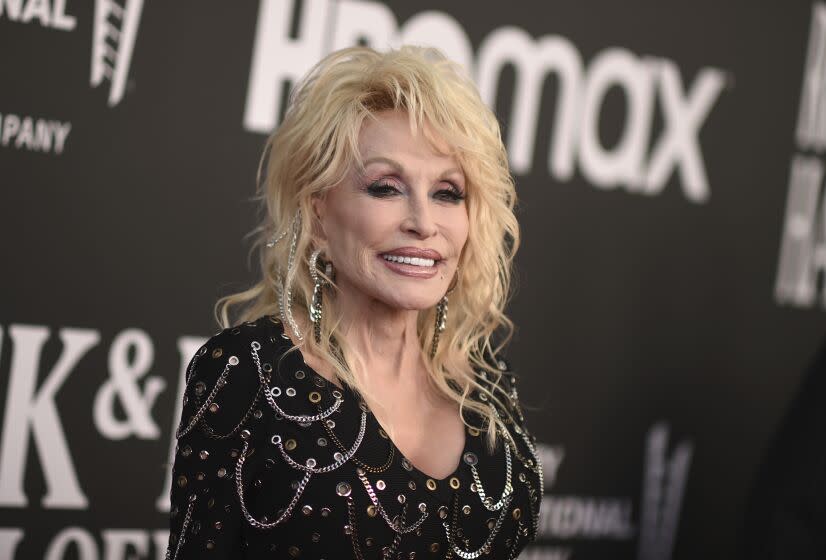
(384, 188)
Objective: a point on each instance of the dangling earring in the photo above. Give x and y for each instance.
(285, 295)
(319, 283)
(441, 315)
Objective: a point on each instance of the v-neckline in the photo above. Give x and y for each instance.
(442, 484)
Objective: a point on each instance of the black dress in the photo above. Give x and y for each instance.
(274, 461)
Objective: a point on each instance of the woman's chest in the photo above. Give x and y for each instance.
(339, 487)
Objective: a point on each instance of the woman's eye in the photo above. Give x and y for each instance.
(381, 190)
(452, 194)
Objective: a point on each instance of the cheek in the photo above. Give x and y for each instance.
(358, 229)
(458, 228)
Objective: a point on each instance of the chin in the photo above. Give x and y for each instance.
(415, 302)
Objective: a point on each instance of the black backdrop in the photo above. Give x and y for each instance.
(668, 293)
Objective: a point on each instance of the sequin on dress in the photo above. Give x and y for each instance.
(273, 461)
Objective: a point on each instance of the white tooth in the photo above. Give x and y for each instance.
(415, 261)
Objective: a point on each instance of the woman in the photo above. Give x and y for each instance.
(347, 414)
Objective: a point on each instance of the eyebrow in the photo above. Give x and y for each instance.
(398, 167)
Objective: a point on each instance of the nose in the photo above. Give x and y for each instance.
(419, 220)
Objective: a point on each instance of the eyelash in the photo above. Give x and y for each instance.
(383, 189)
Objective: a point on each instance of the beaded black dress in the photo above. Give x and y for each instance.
(273, 461)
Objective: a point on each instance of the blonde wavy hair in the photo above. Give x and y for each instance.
(315, 147)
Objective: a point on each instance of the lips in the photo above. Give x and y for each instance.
(412, 261)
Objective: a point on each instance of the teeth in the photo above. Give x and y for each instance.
(415, 261)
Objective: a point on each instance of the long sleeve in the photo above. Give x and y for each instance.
(221, 394)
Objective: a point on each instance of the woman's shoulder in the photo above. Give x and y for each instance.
(233, 349)
(503, 381)
(500, 378)
(238, 367)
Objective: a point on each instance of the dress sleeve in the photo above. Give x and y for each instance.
(525, 447)
(222, 391)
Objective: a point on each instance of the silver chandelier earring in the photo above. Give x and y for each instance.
(441, 315)
(319, 283)
(285, 294)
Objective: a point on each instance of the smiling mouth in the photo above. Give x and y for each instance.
(415, 261)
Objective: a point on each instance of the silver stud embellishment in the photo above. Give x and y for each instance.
(343, 489)
(233, 360)
(471, 458)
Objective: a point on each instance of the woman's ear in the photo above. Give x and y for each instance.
(319, 204)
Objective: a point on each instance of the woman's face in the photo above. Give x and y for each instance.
(395, 234)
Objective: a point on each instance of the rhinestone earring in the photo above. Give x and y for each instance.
(441, 315)
(319, 282)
